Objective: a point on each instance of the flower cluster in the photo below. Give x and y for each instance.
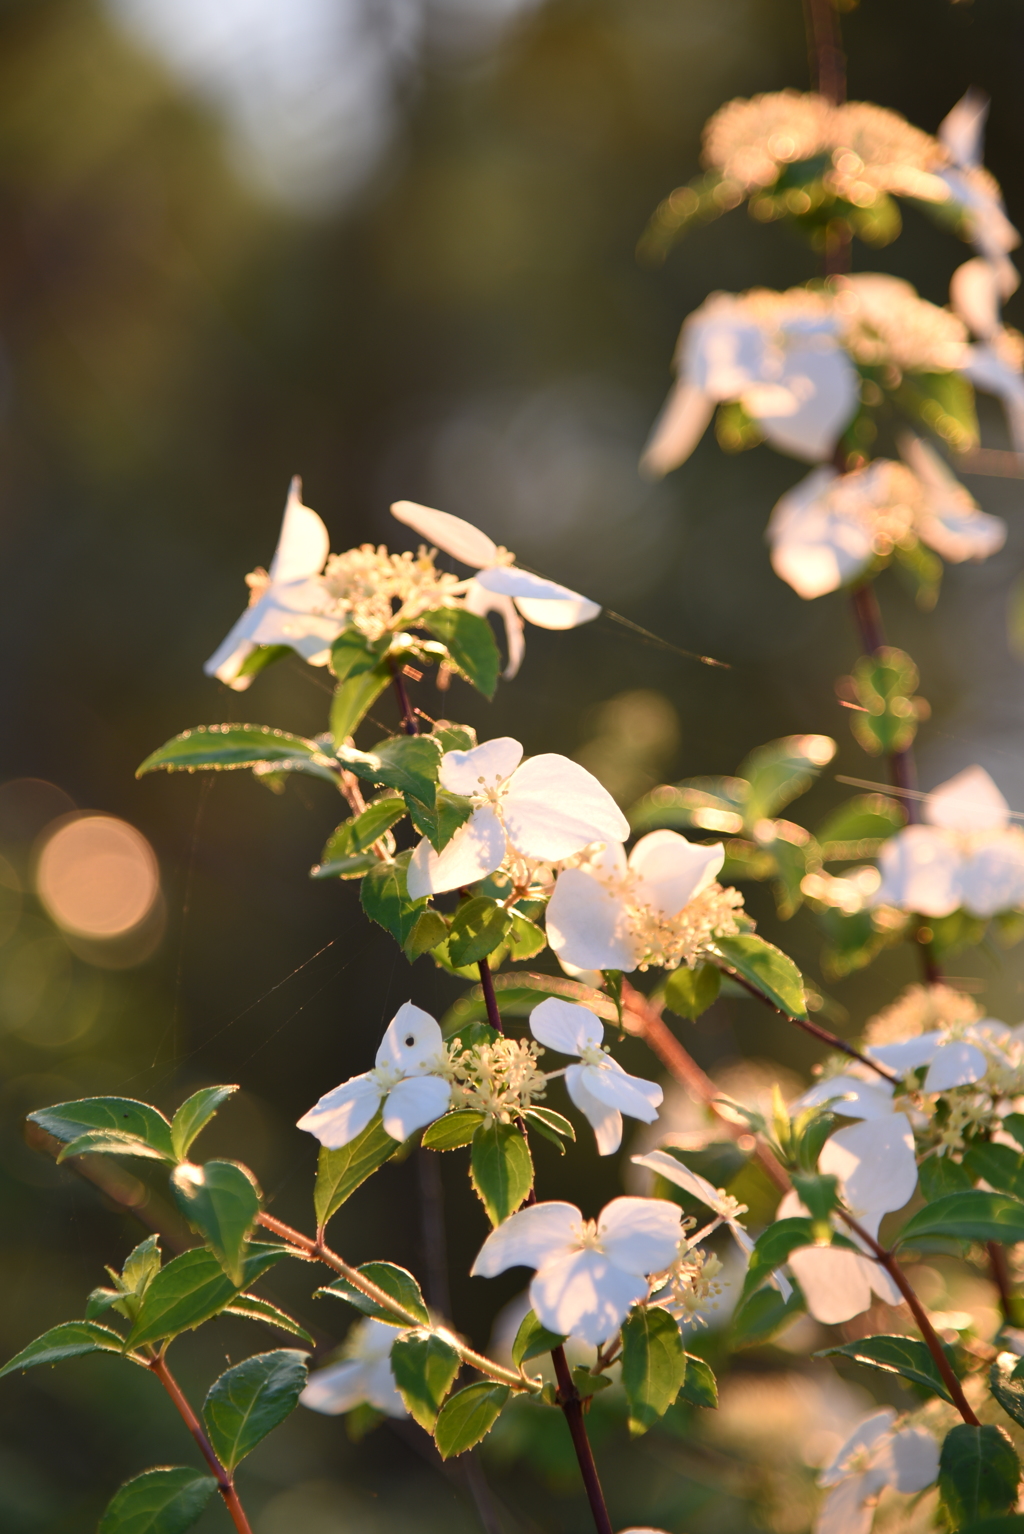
(692, 1287)
(876, 1455)
(499, 1079)
(885, 323)
(377, 592)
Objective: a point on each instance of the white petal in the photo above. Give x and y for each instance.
(583, 1294)
(670, 871)
(992, 878)
(566, 1026)
(508, 581)
(955, 1065)
(907, 1054)
(961, 131)
(460, 539)
(864, 1436)
(337, 1389)
(554, 807)
(381, 1390)
(413, 1103)
(815, 546)
(683, 421)
(969, 802)
(344, 1113)
(835, 1283)
(587, 924)
(640, 1235)
(874, 1162)
(304, 544)
(632, 1095)
(849, 1508)
(951, 522)
(852, 1098)
(482, 767)
(814, 400)
(605, 1121)
(483, 602)
(567, 614)
(920, 869)
(975, 296)
(413, 1043)
(674, 1171)
(910, 1460)
(533, 1236)
(476, 850)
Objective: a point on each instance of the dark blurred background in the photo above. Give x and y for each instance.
(389, 245)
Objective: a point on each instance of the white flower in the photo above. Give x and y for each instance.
(725, 1207)
(886, 323)
(599, 1087)
(658, 907)
(826, 531)
(288, 604)
(547, 808)
(365, 1374)
(977, 192)
(588, 1273)
(849, 1096)
(873, 1457)
(976, 291)
(778, 354)
(405, 1081)
(951, 1061)
(969, 855)
(500, 586)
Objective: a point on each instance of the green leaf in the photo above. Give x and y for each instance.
(424, 1367)
(526, 939)
(164, 1501)
(226, 747)
(262, 656)
(468, 1416)
(762, 1316)
(430, 930)
(440, 824)
(478, 927)
(780, 771)
(68, 1121)
(773, 1246)
(194, 1114)
(706, 804)
(395, 1281)
(653, 1364)
(69, 1340)
(939, 1175)
(588, 1384)
(1007, 1385)
(1013, 1123)
(550, 1124)
(453, 1130)
(766, 967)
(857, 828)
(469, 642)
(251, 1308)
(999, 1165)
(944, 402)
(532, 1339)
(979, 1473)
(689, 992)
(384, 897)
(108, 1142)
(352, 654)
(348, 852)
(353, 697)
(250, 1400)
(454, 737)
(896, 1355)
(819, 1192)
(699, 1385)
(973, 1216)
(340, 1172)
(406, 762)
(1010, 1523)
(220, 1201)
(194, 1287)
(501, 1169)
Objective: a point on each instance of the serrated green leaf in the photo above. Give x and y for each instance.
(142, 1264)
(501, 1169)
(1006, 1382)
(69, 1340)
(772, 972)
(999, 1165)
(896, 1355)
(939, 1175)
(194, 1114)
(973, 1216)
(439, 824)
(108, 1142)
(653, 1364)
(689, 992)
(819, 1192)
(251, 1308)
(384, 896)
(453, 1130)
(340, 1172)
(353, 698)
(123, 1115)
(407, 762)
(469, 642)
(454, 737)
(194, 1287)
(164, 1501)
(478, 927)
(220, 1201)
(102, 1300)
(762, 1316)
(780, 771)
(532, 1339)
(430, 930)
(526, 940)
(550, 1124)
(588, 1384)
(248, 1401)
(856, 829)
(261, 657)
(699, 1385)
(349, 848)
(227, 747)
(979, 1473)
(468, 1416)
(395, 1281)
(424, 1366)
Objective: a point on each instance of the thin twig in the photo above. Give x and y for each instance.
(225, 1480)
(572, 1409)
(490, 998)
(1000, 1268)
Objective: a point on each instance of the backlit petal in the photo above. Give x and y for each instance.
(483, 602)
(910, 1460)
(381, 1390)
(413, 1103)
(907, 1054)
(582, 1294)
(684, 419)
(413, 1043)
(874, 1162)
(566, 614)
(632, 1095)
(566, 1026)
(587, 924)
(920, 868)
(481, 768)
(476, 850)
(460, 539)
(816, 546)
(554, 807)
(304, 543)
(605, 1121)
(835, 1282)
(853, 1099)
(955, 1065)
(674, 1171)
(670, 870)
(975, 296)
(337, 1389)
(640, 1235)
(969, 802)
(529, 1238)
(992, 877)
(849, 1508)
(806, 411)
(342, 1114)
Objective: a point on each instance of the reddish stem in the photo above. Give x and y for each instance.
(1001, 1278)
(825, 46)
(409, 721)
(225, 1481)
(490, 998)
(572, 1409)
(816, 1031)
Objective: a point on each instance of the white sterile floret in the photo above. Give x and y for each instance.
(407, 1081)
(968, 855)
(726, 1208)
(546, 808)
(364, 1376)
(660, 906)
(876, 1455)
(588, 1273)
(287, 604)
(500, 586)
(599, 1086)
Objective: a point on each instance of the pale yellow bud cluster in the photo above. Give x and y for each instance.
(921, 1009)
(668, 941)
(692, 1286)
(375, 591)
(499, 1079)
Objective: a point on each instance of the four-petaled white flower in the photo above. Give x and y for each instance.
(288, 604)
(546, 809)
(404, 1080)
(599, 1087)
(617, 913)
(952, 1061)
(588, 1273)
(778, 354)
(365, 1375)
(968, 855)
(876, 1455)
(500, 586)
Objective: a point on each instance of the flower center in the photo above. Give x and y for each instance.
(386, 1077)
(595, 1054)
(587, 1237)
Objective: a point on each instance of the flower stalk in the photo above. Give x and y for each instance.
(225, 1480)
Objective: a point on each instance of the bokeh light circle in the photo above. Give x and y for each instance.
(97, 876)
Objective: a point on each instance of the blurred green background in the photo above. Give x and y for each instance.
(389, 245)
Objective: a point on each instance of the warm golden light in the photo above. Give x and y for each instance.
(97, 876)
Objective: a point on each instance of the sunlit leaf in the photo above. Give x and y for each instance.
(249, 1400)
